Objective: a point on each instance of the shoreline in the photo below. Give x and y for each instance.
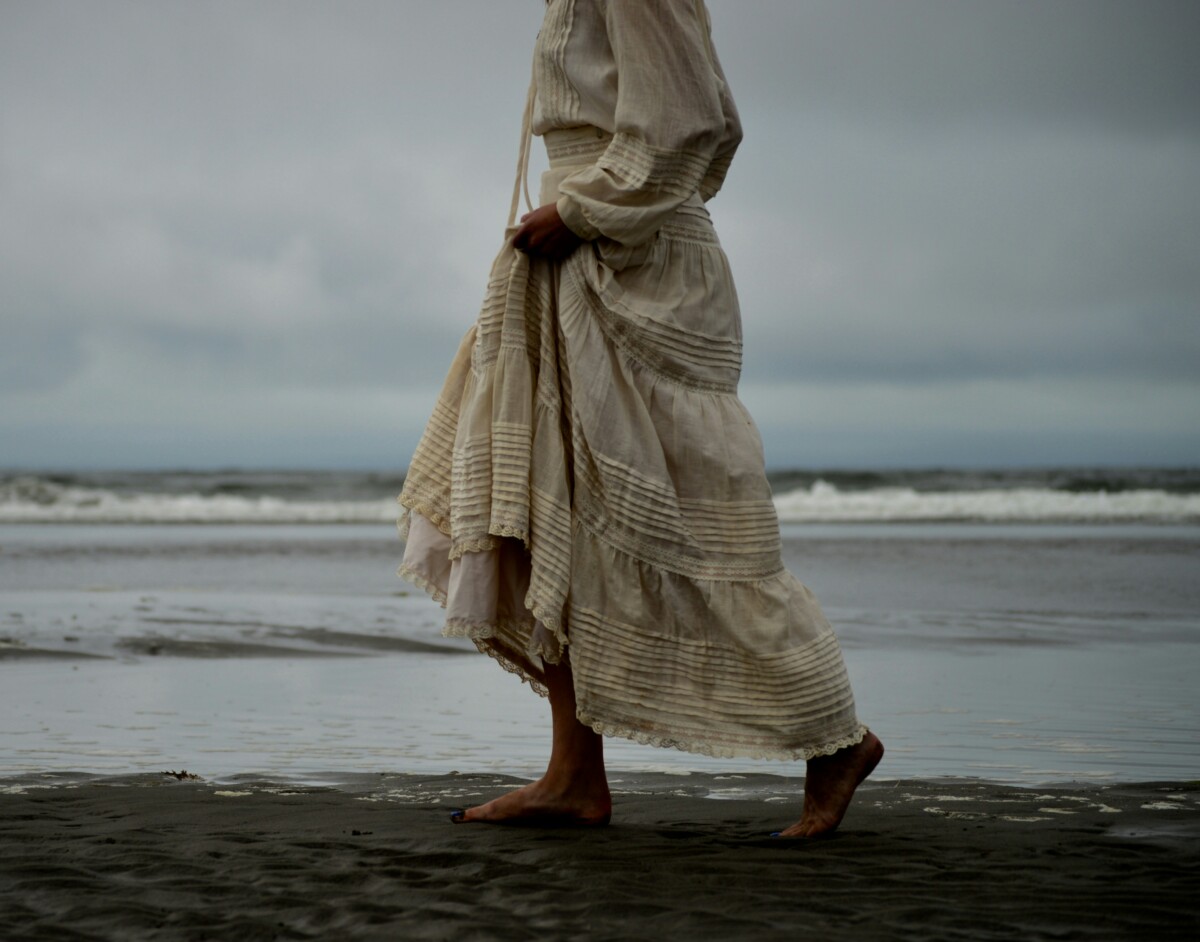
(687, 857)
(748, 784)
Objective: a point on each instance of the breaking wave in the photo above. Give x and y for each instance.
(801, 497)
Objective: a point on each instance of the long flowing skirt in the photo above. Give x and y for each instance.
(590, 486)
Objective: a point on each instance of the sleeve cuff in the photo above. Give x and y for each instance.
(572, 217)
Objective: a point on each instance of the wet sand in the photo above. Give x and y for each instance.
(376, 857)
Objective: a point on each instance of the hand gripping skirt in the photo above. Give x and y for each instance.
(589, 485)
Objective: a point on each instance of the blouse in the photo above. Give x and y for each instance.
(644, 72)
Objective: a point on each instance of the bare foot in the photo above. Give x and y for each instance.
(541, 804)
(829, 785)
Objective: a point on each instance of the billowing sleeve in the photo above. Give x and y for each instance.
(675, 125)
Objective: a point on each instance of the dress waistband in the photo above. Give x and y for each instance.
(573, 146)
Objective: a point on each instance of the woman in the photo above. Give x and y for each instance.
(589, 498)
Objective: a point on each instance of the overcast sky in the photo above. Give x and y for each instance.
(251, 233)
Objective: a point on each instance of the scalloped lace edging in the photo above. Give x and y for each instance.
(419, 505)
(409, 575)
(839, 744)
(550, 617)
(483, 634)
(479, 630)
(484, 631)
(720, 750)
(481, 544)
(511, 666)
(491, 540)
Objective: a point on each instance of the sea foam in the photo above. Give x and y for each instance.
(824, 503)
(32, 499)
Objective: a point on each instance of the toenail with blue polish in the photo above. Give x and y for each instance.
(458, 816)
(777, 833)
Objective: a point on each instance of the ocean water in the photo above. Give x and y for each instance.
(1038, 640)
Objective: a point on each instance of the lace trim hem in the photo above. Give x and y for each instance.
(417, 504)
(512, 667)
(721, 750)
(479, 631)
(489, 541)
(482, 634)
(478, 544)
(551, 618)
(411, 576)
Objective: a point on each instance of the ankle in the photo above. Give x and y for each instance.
(575, 777)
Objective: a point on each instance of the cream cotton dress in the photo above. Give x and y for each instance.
(589, 484)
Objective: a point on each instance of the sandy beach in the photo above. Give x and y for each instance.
(376, 857)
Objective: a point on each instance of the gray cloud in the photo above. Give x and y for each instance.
(1114, 64)
(1054, 256)
(230, 231)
